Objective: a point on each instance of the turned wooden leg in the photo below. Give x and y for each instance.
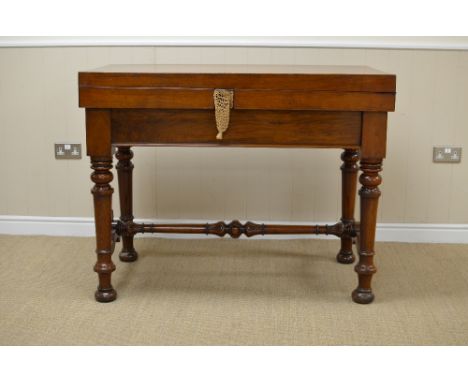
(369, 193)
(124, 174)
(349, 170)
(102, 192)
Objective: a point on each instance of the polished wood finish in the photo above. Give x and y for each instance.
(102, 192)
(349, 170)
(235, 229)
(124, 173)
(369, 194)
(273, 106)
(372, 153)
(161, 98)
(246, 128)
(98, 132)
(289, 88)
(285, 77)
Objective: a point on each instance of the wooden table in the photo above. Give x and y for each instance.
(245, 106)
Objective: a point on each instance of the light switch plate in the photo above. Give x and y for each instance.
(446, 154)
(67, 150)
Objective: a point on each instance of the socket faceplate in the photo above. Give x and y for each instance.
(67, 150)
(446, 154)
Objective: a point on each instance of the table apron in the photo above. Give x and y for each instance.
(256, 128)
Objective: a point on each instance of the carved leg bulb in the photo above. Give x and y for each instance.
(102, 193)
(349, 170)
(124, 173)
(369, 194)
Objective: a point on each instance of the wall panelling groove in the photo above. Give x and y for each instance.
(39, 106)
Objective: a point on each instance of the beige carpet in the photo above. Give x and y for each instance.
(230, 292)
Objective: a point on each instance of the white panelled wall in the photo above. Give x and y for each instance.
(39, 106)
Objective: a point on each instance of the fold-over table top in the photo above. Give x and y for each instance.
(111, 85)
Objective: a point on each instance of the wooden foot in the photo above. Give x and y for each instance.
(128, 256)
(102, 193)
(362, 296)
(349, 170)
(345, 257)
(105, 295)
(124, 173)
(369, 194)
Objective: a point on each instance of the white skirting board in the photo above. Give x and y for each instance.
(73, 226)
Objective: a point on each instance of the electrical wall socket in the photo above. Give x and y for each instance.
(67, 150)
(446, 154)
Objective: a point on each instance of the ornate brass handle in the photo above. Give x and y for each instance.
(223, 102)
